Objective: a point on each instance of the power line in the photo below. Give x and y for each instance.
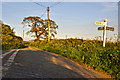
(43, 14)
(48, 16)
(40, 4)
(56, 4)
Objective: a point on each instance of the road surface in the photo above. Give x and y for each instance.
(34, 63)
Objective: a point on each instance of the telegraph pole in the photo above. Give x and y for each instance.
(48, 24)
(104, 33)
(66, 36)
(23, 33)
(48, 16)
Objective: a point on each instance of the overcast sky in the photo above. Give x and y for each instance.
(75, 19)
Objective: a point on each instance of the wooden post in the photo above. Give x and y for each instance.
(23, 33)
(48, 24)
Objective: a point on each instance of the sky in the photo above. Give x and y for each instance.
(74, 19)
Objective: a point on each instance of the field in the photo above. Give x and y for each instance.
(88, 52)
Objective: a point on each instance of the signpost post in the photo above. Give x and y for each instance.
(104, 33)
(104, 28)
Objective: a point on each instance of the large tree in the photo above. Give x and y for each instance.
(40, 27)
(53, 27)
(36, 24)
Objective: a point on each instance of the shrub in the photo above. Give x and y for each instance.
(89, 52)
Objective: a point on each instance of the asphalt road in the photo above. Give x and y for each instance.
(34, 63)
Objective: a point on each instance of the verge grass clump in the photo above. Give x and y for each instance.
(88, 52)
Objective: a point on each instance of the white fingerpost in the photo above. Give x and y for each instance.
(104, 32)
(104, 28)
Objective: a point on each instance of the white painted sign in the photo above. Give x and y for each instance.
(104, 29)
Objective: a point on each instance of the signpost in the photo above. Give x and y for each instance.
(99, 23)
(104, 28)
(107, 28)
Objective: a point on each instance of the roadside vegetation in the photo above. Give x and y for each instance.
(9, 39)
(88, 52)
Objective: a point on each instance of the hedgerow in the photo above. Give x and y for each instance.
(9, 39)
(88, 52)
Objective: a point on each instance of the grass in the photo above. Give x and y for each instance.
(88, 52)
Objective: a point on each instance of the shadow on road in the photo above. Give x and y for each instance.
(33, 63)
(37, 64)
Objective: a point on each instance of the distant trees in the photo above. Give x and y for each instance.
(0, 33)
(9, 39)
(40, 27)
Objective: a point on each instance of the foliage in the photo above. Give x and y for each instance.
(40, 27)
(88, 52)
(9, 39)
(53, 27)
(0, 33)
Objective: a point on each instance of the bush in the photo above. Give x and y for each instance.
(9, 39)
(89, 52)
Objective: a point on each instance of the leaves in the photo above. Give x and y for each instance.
(89, 52)
(9, 39)
(40, 27)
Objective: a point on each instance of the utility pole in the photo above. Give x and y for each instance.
(23, 33)
(104, 33)
(48, 16)
(48, 24)
(66, 36)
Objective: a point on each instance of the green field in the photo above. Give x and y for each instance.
(88, 52)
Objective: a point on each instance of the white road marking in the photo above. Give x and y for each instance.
(10, 61)
(3, 55)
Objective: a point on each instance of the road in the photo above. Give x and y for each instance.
(34, 63)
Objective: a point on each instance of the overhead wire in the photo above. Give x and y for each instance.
(46, 7)
(43, 14)
(56, 4)
(40, 4)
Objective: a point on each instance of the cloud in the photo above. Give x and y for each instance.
(108, 7)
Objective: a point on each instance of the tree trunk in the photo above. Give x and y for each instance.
(36, 35)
